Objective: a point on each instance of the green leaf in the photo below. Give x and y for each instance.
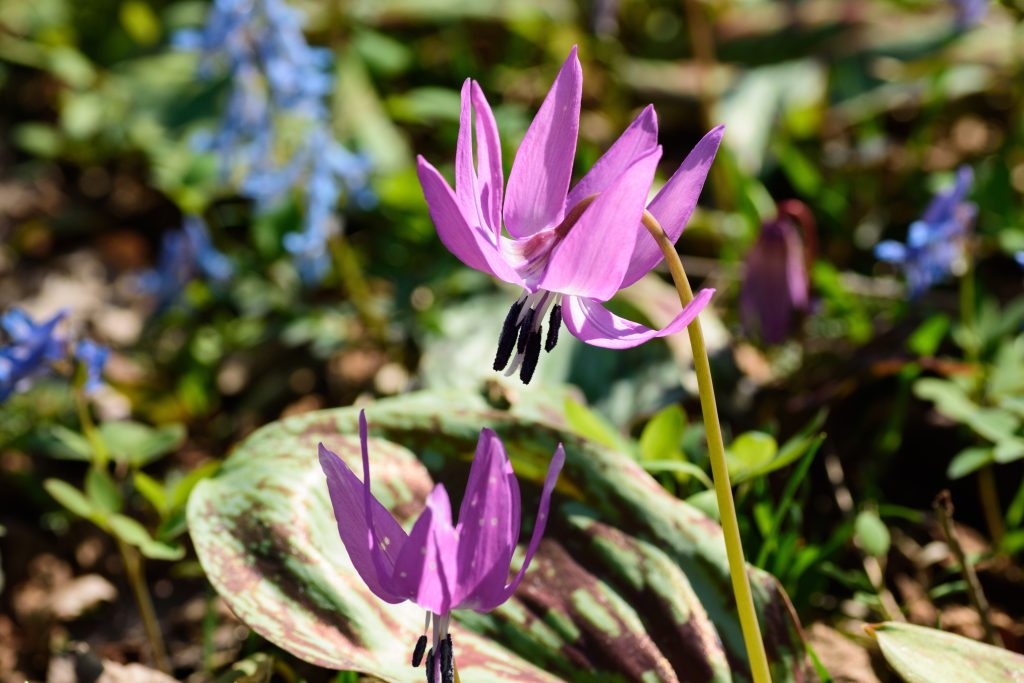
(152, 491)
(928, 336)
(749, 455)
(969, 460)
(133, 533)
(1009, 450)
(679, 467)
(140, 22)
(136, 444)
(871, 534)
(632, 579)
(102, 491)
(72, 499)
(926, 655)
(593, 426)
(662, 435)
(65, 444)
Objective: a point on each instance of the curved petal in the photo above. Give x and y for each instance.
(426, 570)
(478, 181)
(636, 141)
(489, 520)
(557, 460)
(594, 324)
(539, 179)
(490, 176)
(674, 204)
(346, 492)
(592, 259)
(472, 243)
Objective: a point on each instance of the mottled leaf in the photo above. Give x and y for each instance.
(927, 655)
(630, 583)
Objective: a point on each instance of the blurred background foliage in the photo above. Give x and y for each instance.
(859, 110)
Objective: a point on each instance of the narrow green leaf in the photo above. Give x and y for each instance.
(969, 460)
(152, 491)
(72, 499)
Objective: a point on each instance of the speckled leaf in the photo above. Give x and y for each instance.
(927, 655)
(630, 584)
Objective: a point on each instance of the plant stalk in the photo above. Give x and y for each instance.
(355, 285)
(133, 568)
(720, 473)
(944, 509)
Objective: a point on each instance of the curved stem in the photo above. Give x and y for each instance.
(716, 452)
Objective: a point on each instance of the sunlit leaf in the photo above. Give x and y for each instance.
(926, 655)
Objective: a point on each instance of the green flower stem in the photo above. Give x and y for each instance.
(355, 285)
(987, 491)
(137, 579)
(720, 473)
(100, 454)
(129, 555)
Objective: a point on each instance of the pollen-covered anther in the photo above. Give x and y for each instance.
(507, 340)
(447, 660)
(554, 325)
(417, 653)
(531, 354)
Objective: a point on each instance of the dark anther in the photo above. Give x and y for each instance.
(417, 653)
(507, 340)
(447, 660)
(430, 666)
(524, 330)
(531, 356)
(554, 324)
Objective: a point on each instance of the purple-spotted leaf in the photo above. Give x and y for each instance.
(927, 655)
(629, 584)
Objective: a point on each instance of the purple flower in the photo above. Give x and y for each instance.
(936, 242)
(31, 349)
(775, 284)
(440, 565)
(568, 250)
(93, 358)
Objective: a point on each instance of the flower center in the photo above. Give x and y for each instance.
(440, 663)
(522, 332)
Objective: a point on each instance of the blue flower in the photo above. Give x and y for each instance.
(184, 255)
(275, 74)
(93, 358)
(936, 242)
(31, 350)
(969, 13)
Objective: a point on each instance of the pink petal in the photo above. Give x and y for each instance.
(466, 187)
(426, 570)
(488, 525)
(347, 499)
(636, 141)
(674, 204)
(592, 259)
(472, 243)
(594, 324)
(557, 460)
(540, 174)
(490, 175)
